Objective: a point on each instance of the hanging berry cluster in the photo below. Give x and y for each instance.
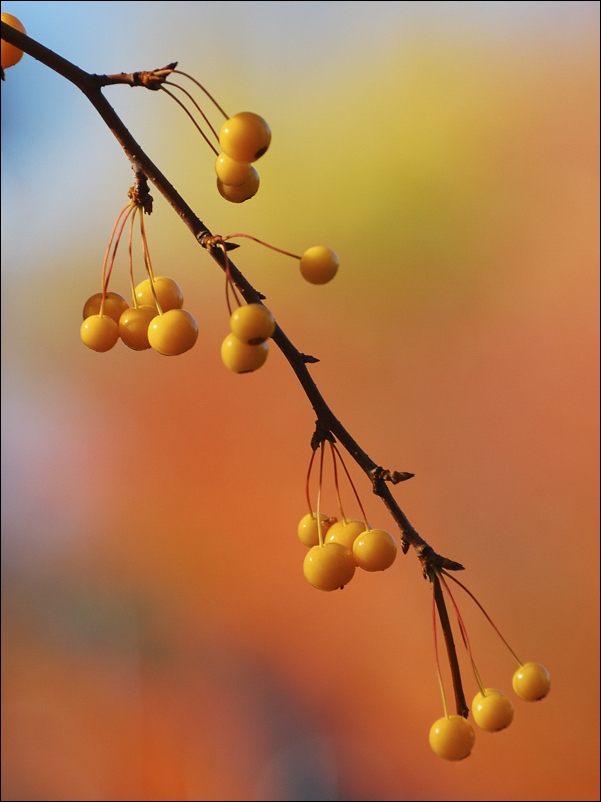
(452, 736)
(155, 319)
(338, 546)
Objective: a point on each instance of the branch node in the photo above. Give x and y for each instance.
(140, 193)
(320, 435)
(307, 358)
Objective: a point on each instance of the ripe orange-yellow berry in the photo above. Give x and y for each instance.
(492, 710)
(346, 533)
(374, 550)
(10, 54)
(173, 332)
(114, 305)
(239, 357)
(531, 682)
(99, 332)
(230, 172)
(307, 528)
(319, 264)
(241, 192)
(252, 323)
(329, 567)
(133, 326)
(452, 738)
(245, 137)
(167, 290)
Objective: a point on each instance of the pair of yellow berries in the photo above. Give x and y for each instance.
(170, 331)
(346, 544)
(244, 138)
(245, 347)
(452, 737)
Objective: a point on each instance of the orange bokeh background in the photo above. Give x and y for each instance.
(160, 640)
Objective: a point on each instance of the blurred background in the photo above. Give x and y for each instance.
(159, 639)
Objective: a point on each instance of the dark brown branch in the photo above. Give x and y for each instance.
(460, 703)
(91, 85)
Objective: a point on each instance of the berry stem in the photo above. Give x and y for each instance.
(348, 476)
(199, 85)
(148, 264)
(106, 272)
(318, 512)
(308, 481)
(260, 241)
(342, 515)
(131, 258)
(179, 102)
(462, 627)
(488, 618)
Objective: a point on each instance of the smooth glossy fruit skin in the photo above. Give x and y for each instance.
(99, 333)
(230, 172)
(245, 137)
(252, 323)
(492, 711)
(168, 292)
(10, 54)
(114, 305)
(329, 567)
(173, 333)
(307, 528)
(133, 326)
(319, 264)
(452, 738)
(531, 682)
(374, 550)
(241, 192)
(346, 533)
(239, 357)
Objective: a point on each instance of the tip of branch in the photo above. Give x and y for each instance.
(307, 358)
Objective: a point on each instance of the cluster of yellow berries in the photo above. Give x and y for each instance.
(453, 737)
(243, 138)
(245, 347)
(155, 319)
(337, 548)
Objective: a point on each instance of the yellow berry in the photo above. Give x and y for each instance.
(492, 710)
(452, 738)
(10, 54)
(346, 533)
(245, 137)
(114, 305)
(329, 567)
(374, 550)
(252, 323)
(307, 528)
(173, 332)
(319, 264)
(230, 172)
(133, 326)
(531, 682)
(167, 290)
(99, 332)
(241, 192)
(239, 357)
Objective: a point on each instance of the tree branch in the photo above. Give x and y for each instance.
(91, 86)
